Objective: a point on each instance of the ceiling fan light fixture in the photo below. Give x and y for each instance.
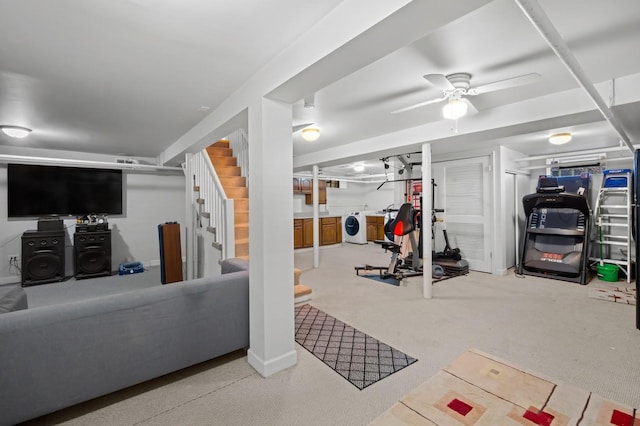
(310, 134)
(454, 109)
(15, 131)
(560, 138)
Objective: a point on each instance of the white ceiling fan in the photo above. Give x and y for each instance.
(455, 88)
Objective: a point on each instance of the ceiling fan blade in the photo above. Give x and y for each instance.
(300, 127)
(421, 104)
(505, 84)
(439, 81)
(470, 108)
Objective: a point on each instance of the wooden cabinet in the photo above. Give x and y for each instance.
(375, 228)
(307, 232)
(306, 185)
(322, 193)
(297, 233)
(296, 185)
(330, 231)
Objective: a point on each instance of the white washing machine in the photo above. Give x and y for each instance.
(354, 228)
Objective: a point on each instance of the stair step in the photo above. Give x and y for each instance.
(200, 200)
(242, 247)
(239, 192)
(206, 215)
(223, 161)
(196, 188)
(222, 143)
(241, 204)
(211, 229)
(233, 181)
(228, 171)
(296, 276)
(241, 217)
(215, 151)
(301, 290)
(242, 230)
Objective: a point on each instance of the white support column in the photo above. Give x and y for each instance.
(427, 243)
(271, 334)
(316, 219)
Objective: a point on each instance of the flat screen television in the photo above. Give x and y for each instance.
(34, 191)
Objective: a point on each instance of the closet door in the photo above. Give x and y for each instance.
(464, 191)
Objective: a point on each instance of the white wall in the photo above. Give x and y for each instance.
(355, 196)
(150, 199)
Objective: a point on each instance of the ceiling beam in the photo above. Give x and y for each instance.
(547, 30)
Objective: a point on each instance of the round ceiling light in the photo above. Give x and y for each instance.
(15, 131)
(358, 168)
(560, 138)
(310, 134)
(454, 109)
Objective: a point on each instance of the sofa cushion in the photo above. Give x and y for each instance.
(235, 264)
(12, 298)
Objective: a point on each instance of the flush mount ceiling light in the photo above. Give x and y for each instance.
(358, 168)
(15, 131)
(310, 134)
(454, 109)
(560, 138)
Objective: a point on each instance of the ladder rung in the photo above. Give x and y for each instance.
(618, 225)
(614, 206)
(616, 236)
(614, 261)
(624, 216)
(613, 243)
(622, 189)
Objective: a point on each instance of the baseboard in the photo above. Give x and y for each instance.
(10, 280)
(267, 368)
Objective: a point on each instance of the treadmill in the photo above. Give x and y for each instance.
(556, 237)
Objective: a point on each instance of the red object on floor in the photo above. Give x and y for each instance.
(538, 417)
(619, 418)
(459, 406)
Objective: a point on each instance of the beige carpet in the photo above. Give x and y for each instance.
(479, 389)
(618, 292)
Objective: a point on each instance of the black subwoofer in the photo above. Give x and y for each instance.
(42, 257)
(92, 254)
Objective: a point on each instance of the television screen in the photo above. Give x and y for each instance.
(34, 191)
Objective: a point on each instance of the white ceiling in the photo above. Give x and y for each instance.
(129, 77)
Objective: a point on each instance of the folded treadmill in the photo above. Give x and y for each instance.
(556, 236)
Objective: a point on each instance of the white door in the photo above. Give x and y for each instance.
(510, 220)
(464, 191)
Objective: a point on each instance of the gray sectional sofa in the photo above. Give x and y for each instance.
(56, 356)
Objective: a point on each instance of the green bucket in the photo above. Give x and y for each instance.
(608, 272)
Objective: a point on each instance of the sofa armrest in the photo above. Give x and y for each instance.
(235, 264)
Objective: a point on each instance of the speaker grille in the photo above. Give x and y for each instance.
(42, 257)
(92, 252)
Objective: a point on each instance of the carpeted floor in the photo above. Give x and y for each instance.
(479, 389)
(356, 356)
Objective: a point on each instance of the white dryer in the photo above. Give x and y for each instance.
(355, 228)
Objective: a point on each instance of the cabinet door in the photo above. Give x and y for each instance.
(339, 226)
(380, 228)
(322, 193)
(307, 233)
(328, 234)
(372, 228)
(306, 185)
(297, 234)
(296, 185)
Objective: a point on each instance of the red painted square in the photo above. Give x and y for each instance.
(460, 406)
(538, 417)
(619, 418)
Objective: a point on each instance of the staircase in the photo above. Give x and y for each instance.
(235, 187)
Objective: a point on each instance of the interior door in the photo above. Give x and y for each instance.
(464, 191)
(510, 220)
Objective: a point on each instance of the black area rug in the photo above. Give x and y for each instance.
(356, 356)
(377, 277)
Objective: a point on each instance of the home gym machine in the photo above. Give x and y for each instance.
(556, 237)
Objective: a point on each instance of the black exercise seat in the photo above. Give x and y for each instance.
(399, 226)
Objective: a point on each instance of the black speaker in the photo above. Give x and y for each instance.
(92, 254)
(42, 257)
